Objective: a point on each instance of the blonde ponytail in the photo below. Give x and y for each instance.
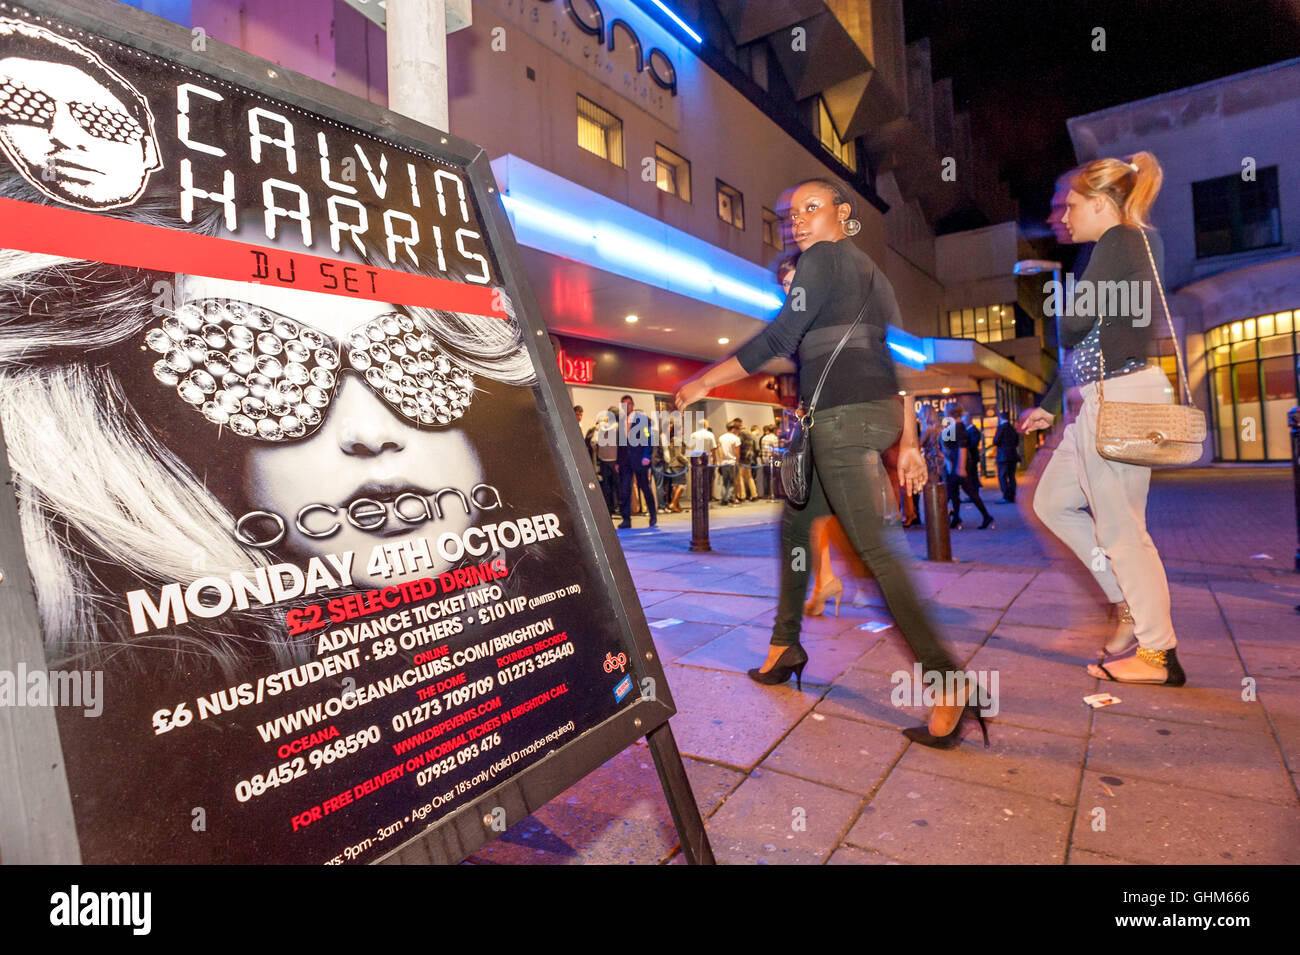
(1146, 186)
(1131, 184)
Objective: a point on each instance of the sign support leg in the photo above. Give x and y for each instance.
(681, 801)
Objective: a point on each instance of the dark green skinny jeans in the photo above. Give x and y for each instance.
(848, 482)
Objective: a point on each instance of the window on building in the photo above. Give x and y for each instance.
(600, 131)
(993, 323)
(1235, 215)
(731, 205)
(1168, 362)
(672, 173)
(830, 137)
(772, 230)
(1252, 371)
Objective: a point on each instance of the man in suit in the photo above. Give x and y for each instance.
(634, 448)
(961, 449)
(1007, 441)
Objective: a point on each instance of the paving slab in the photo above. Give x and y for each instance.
(892, 653)
(713, 608)
(775, 819)
(852, 855)
(1281, 700)
(1202, 631)
(1212, 697)
(1028, 761)
(1073, 579)
(728, 718)
(1161, 823)
(969, 618)
(674, 641)
(865, 695)
(984, 588)
(1040, 705)
(1084, 857)
(839, 752)
(755, 582)
(740, 649)
(649, 560)
(829, 622)
(690, 579)
(649, 598)
(931, 819)
(1269, 629)
(1255, 595)
(1280, 662)
(1197, 757)
(616, 815)
(1045, 608)
(1018, 667)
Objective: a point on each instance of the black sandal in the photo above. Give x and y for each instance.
(1174, 675)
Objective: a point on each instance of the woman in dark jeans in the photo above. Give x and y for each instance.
(858, 416)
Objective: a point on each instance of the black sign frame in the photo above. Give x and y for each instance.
(38, 824)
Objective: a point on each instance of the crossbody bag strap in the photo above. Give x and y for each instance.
(817, 392)
(1178, 353)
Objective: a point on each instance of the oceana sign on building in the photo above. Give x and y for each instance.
(604, 40)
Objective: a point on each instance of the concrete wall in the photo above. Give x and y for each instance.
(1203, 132)
(975, 266)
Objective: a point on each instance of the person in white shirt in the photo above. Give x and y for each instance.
(728, 453)
(703, 441)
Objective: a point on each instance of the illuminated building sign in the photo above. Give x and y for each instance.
(577, 371)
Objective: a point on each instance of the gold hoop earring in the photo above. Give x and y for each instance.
(850, 227)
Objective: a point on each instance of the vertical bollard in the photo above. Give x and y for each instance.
(1293, 418)
(938, 543)
(701, 477)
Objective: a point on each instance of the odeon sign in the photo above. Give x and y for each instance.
(592, 22)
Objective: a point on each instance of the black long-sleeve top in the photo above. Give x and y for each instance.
(831, 283)
(1127, 334)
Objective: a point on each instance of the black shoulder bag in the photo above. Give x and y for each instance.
(797, 464)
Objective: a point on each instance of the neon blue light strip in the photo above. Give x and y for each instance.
(678, 20)
(560, 217)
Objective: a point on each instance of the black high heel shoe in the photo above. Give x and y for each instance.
(922, 734)
(792, 660)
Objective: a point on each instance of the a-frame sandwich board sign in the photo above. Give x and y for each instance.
(303, 557)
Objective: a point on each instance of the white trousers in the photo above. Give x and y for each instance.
(1112, 540)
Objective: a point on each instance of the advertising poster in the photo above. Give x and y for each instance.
(282, 466)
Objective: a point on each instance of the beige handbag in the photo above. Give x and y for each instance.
(1151, 435)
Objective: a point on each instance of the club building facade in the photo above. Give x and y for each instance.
(1229, 215)
(642, 149)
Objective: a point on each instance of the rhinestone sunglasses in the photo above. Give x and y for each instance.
(269, 377)
(19, 104)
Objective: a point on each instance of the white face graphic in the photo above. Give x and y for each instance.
(71, 137)
(363, 447)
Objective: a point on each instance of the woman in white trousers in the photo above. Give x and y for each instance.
(1110, 335)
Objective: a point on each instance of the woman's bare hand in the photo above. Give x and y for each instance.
(689, 392)
(912, 470)
(1035, 419)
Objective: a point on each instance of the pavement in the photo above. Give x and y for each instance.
(1205, 773)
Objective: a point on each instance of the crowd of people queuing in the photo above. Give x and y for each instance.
(629, 446)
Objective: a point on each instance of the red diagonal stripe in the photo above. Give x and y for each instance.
(29, 227)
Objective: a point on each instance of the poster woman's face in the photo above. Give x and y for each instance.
(71, 137)
(362, 448)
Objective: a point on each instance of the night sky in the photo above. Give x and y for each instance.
(1024, 68)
